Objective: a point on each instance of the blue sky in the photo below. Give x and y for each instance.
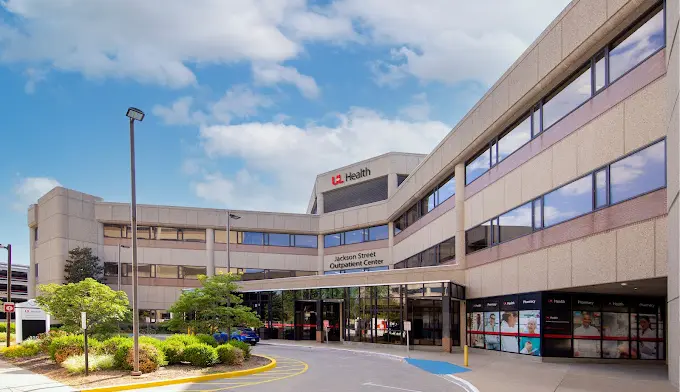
(246, 101)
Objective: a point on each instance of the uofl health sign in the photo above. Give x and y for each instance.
(359, 259)
(351, 176)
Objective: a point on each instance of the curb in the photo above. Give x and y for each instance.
(184, 380)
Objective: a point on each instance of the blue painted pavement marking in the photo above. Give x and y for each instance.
(437, 367)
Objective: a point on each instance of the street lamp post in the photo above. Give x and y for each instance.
(9, 287)
(134, 114)
(230, 216)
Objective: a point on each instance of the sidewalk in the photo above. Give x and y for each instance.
(15, 379)
(492, 372)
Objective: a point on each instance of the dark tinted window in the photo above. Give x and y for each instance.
(515, 223)
(569, 97)
(252, 274)
(167, 271)
(412, 215)
(447, 250)
(378, 233)
(429, 257)
(478, 238)
(277, 239)
(514, 139)
(331, 240)
(633, 48)
(477, 167)
(145, 270)
(354, 236)
(188, 272)
(305, 241)
(569, 201)
(110, 269)
(639, 173)
(252, 238)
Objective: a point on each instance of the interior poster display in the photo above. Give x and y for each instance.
(616, 330)
(530, 324)
(587, 327)
(476, 323)
(509, 324)
(492, 325)
(556, 325)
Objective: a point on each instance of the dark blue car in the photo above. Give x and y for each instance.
(243, 334)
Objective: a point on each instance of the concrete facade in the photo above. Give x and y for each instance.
(635, 240)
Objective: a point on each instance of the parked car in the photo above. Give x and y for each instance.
(245, 334)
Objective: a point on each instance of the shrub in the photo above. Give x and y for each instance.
(174, 352)
(150, 358)
(185, 340)
(245, 347)
(207, 339)
(45, 339)
(3, 337)
(152, 341)
(201, 355)
(110, 345)
(65, 346)
(28, 348)
(3, 328)
(76, 363)
(230, 355)
(121, 353)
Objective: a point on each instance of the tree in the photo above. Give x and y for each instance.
(104, 306)
(213, 307)
(82, 264)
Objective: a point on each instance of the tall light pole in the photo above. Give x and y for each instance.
(9, 287)
(134, 114)
(230, 216)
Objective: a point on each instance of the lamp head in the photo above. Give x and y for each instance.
(135, 114)
(234, 216)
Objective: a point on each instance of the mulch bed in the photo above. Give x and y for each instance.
(43, 365)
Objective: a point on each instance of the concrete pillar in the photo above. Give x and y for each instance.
(210, 250)
(391, 184)
(320, 249)
(319, 321)
(390, 240)
(460, 214)
(31, 269)
(319, 203)
(446, 324)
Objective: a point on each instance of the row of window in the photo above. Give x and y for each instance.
(355, 270)
(437, 196)
(374, 233)
(439, 254)
(199, 235)
(639, 173)
(258, 274)
(156, 271)
(643, 39)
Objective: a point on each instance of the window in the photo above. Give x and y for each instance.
(252, 274)
(515, 223)
(305, 241)
(145, 270)
(188, 272)
(167, 233)
(378, 233)
(447, 250)
(514, 139)
(639, 43)
(401, 178)
(331, 240)
(446, 190)
(601, 189)
(354, 236)
(35, 234)
(143, 232)
(538, 213)
(429, 203)
(167, 271)
(277, 239)
(221, 236)
(36, 270)
(113, 231)
(478, 166)
(252, 238)
(568, 202)
(429, 257)
(639, 173)
(193, 235)
(572, 94)
(277, 274)
(110, 269)
(305, 273)
(478, 237)
(600, 72)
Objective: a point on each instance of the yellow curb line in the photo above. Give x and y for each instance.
(184, 380)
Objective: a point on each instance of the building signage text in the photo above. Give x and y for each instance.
(356, 260)
(351, 176)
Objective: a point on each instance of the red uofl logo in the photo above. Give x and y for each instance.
(337, 180)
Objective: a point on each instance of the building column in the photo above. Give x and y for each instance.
(390, 241)
(320, 249)
(210, 250)
(446, 324)
(460, 214)
(31, 269)
(391, 184)
(319, 203)
(319, 321)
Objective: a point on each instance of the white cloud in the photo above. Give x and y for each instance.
(271, 74)
(278, 179)
(179, 112)
(33, 77)
(30, 189)
(418, 110)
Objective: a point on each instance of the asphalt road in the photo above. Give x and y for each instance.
(327, 371)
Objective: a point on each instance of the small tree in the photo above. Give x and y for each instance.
(82, 264)
(213, 307)
(104, 306)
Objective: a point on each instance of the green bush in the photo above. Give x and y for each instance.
(185, 340)
(3, 327)
(66, 346)
(201, 355)
(152, 341)
(45, 339)
(245, 347)
(207, 339)
(174, 352)
(120, 355)
(110, 345)
(28, 348)
(150, 358)
(76, 363)
(230, 355)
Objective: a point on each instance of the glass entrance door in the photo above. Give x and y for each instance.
(305, 320)
(331, 312)
(426, 321)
